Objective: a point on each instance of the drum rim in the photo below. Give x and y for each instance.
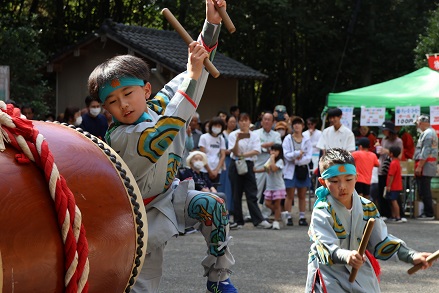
(136, 202)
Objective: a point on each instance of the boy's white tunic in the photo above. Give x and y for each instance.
(153, 149)
(334, 230)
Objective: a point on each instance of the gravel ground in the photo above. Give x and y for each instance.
(269, 261)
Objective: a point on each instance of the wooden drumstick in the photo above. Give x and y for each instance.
(430, 259)
(226, 18)
(363, 245)
(187, 38)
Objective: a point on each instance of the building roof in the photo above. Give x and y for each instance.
(169, 49)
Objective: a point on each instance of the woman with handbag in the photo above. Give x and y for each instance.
(244, 146)
(297, 155)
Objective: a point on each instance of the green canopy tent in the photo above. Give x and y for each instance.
(420, 87)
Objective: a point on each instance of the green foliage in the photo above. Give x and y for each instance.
(428, 42)
(308, 48)
(20, 50)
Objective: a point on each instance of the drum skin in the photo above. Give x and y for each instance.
(31, 247)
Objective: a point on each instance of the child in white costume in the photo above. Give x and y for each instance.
(337, 224)
(149, 134)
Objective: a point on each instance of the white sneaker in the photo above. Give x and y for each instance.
(404, 220)
(264, 224)
(284, 217)
(276, 225)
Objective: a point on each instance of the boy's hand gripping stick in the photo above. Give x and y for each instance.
(226, 18)
(430, 259)
(187, 38)
(363, 245)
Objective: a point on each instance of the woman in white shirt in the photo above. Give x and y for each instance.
(297, 155)
(213, 144)
(245, 145)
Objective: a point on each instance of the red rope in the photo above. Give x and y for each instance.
(63, 198)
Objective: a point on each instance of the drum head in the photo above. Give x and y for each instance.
(112, 211)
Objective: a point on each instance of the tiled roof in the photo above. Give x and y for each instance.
(169, 49)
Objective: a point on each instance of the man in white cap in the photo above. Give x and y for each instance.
(425, 164)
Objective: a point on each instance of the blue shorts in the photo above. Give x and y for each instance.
(296, 183)
(392, 195)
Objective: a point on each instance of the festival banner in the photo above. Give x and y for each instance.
(406, 115)
(434, 115)
(374, 116)
(346, 119)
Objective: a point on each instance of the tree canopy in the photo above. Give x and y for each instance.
(308, 48)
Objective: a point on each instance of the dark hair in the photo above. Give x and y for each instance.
(364, 142)
(89, 99)
(117, 67)
(335, 156)
(69, 113)
(215, 121)
(312, 120)
(296, 120)
(26, 107)
(336, 112)
(233, 108)
(222, 112)
(278, 147)
(395, 151)
(244, 115)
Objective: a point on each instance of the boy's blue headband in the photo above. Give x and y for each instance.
(340, 169)
(335, 170)
(116, 83)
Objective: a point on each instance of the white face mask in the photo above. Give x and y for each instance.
(78, 121)
(281, 132)
(216, 130)
(198, 165)
(95, 111)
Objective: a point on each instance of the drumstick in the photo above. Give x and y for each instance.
(363, 244)
(430, 259)
(226, 18)
(187, 38)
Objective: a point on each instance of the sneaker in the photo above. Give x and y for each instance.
(221, 287)
(404, 220)
(398, 221)
(284, 217)
(276, 225)
(264, 224)
(303, 222)
(290, 222)
(235, 226)
(247, 219)
(384, 218)
(425, 217)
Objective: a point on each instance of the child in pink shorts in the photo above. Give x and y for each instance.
(275, 186)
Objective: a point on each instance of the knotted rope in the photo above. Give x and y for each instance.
(21, 134)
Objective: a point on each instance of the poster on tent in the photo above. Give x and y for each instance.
(346, 118)
(434, 115)
(372, 116)
(406, 115)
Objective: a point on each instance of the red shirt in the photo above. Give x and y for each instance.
(395, 171)
(409, 146)
(364, 162)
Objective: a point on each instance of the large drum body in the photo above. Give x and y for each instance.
(31, 246)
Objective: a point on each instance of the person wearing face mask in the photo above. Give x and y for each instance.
(282, 128)
(94, 121)
(72, 116)
(213, 145)
(196, 160)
